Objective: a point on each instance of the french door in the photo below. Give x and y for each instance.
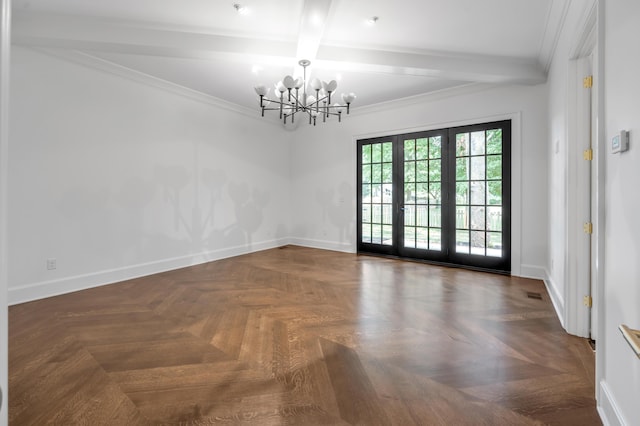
(440, 195)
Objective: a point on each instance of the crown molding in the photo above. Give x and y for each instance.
(93, 62)
(556, 17)
(586, 36)
(465, 89)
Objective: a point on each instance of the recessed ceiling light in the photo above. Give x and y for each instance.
(373, 20)
(242, 10)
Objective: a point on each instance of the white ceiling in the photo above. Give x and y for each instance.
(416, 47)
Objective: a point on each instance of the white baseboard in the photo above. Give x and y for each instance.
(322, 244)
(41, 290)
(532, 271)
(556, 297)
(608, 409)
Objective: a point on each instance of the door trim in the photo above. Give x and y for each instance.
(5, 60)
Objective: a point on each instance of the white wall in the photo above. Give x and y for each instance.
(324, 164)
(621, 376)
(116, 178)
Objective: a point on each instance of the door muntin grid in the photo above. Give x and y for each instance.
(377, 193)
(422, 192)
(478, 199)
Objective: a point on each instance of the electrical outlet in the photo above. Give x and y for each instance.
(51, 263)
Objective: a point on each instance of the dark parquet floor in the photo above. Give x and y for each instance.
(298, 336)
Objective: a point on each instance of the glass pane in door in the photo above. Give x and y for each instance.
(478, 197)
(377, 193)
(422, 193)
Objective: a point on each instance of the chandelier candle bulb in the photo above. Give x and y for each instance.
(347, 99)
(316, 84)
(297, 102)
(289, 82)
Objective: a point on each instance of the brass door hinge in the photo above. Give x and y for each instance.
(588, 228)
(588, 301)
(587, 154)
(587, 82)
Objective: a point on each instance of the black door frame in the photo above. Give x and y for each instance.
(448, 255)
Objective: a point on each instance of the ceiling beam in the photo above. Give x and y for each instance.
(314, 19)
(463, 67)
(93, 34)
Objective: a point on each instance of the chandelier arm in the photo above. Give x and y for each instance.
(324, 108)
(325, 98)
(297, 101)
(277, 102)
(337, 114)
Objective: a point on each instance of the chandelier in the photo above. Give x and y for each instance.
(289, 101)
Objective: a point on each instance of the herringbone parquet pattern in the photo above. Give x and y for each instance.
(297, 336)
